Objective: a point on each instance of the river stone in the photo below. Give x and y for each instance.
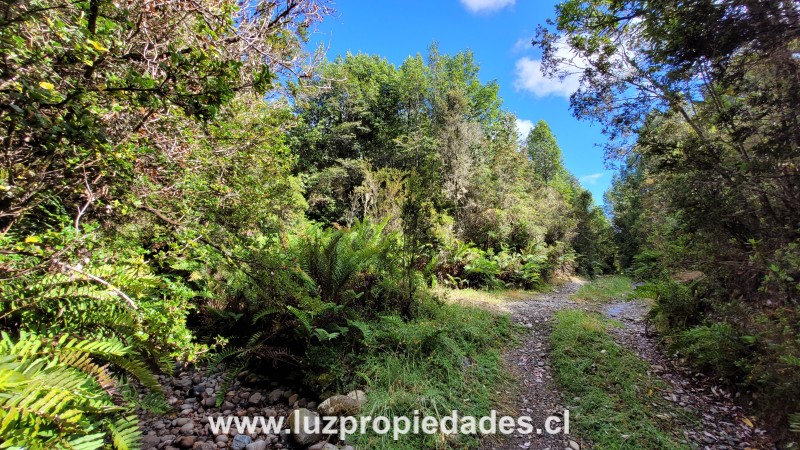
(257, 445)
(275, 396)
(359, 396)
(255, 399)
(240, 442)
(339, 405)
(297, 422)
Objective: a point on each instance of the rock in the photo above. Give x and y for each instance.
(158, 425)
(240, 442)
(359, 396)
(150, 441)
(574, 445)
(323, 446)
(188, 427)
(204, 446)
(257, 445)
(339, 405)
(268, 412)
(227, 406)
(297, 424)
(168, 438)
(186, 442)
(210, 402)
(292, 399)
(275, 396)
(221, 438)
(255, 399)
(181, 422)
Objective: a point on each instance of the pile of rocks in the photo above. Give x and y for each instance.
(192, 395)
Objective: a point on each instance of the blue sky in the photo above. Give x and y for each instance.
(499, 33)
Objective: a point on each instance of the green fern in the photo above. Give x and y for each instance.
(56, 394)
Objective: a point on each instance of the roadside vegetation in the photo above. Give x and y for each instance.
(699, 101)
(612, 398)
(186, 183)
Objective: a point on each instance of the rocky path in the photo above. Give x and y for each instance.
(538, 396)
(723, 425)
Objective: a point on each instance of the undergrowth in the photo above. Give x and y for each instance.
(448, 358)
(613, 397)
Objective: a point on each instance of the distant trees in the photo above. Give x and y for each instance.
(434, 116)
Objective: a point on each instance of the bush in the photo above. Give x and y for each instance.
(715, 348)
(677, 306)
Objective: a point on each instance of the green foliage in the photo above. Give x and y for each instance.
(56, 394)
(607, 288)
(677, 306)
(715, 348)
(448, 358)
(462, 264)
(544, 151)
(702, 115)
(616, 399)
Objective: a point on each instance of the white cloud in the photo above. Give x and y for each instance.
(524, 127)
(476, 6)
(529, 76)
(591, 179)
(523, 44)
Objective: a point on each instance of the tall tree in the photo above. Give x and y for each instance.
(544, 151)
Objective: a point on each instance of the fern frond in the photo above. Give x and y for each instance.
(125, 433)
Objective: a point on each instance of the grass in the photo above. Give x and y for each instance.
(448, 359)
(494, 300)
(613, 287)
(615, 403)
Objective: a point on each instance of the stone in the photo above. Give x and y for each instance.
(275, 396)
(292, 399)
(257, 445)
(204, 446)
(210, 402)
(297, 419)
(255, 399)
(339, 405)
(240, 442)
(221, 438)
(359, 396)
(186, 442)
(182, 421)
(188, 427)
(574, 445)
(227, 406)
(150, 441)
(269, 412)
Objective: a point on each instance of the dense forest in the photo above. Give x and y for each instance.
(183, 183)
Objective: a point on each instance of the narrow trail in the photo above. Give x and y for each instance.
(723, 425)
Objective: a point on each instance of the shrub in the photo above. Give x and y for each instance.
(715, 348)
